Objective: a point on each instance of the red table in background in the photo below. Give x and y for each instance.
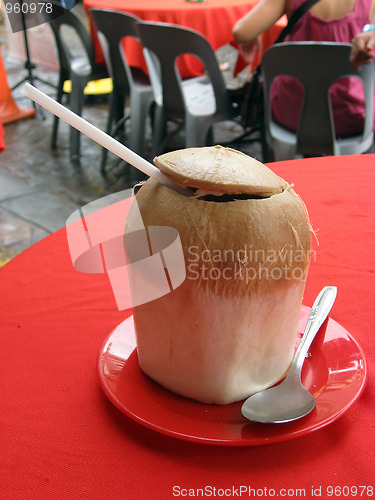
(213, 18)
(62, 439)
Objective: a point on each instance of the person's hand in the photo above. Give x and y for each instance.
(249, 50)
(363, 45)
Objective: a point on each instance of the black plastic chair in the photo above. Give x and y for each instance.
(76, 64)
(196, 103)
(112, 27)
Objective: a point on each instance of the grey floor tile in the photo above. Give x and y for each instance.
(11, 187)
(46, 210)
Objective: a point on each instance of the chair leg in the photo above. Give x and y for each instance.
(139, 107)
(267, 154)
(59, 96)
(103, 161)
(111, 113)
(76, 105)
(115, 115)
(210, 136)
(160, 124)
(118, 116)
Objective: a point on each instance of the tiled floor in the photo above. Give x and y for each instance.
(39, 187)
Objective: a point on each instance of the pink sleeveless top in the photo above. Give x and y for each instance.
(347, 95)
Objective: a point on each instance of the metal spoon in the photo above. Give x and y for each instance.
(290, 400)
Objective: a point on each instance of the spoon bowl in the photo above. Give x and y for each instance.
(289, 400)
(278, 404)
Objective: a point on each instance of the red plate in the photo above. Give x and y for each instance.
(335, 374)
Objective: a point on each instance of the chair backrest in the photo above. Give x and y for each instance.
(59, 18)
(112, 27)
(167, 42)
(317, 65)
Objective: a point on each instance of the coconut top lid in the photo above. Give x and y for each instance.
(220, 170)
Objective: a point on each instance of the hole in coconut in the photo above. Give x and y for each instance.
(224, 198)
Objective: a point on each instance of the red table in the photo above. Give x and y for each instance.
(213, 18)
(60, 436)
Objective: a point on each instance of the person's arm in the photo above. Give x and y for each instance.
(363, 44)
(257, 20)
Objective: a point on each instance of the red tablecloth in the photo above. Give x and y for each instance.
(213, 18)
(60, 438)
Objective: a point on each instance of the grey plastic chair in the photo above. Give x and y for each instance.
(112, 27)
(317, 65)
(195, 103)
(77, 63)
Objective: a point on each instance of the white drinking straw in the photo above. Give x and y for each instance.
(101, 137)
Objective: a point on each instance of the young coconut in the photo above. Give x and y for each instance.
(230, 329)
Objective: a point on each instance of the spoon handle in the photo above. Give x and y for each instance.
(319, 312)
